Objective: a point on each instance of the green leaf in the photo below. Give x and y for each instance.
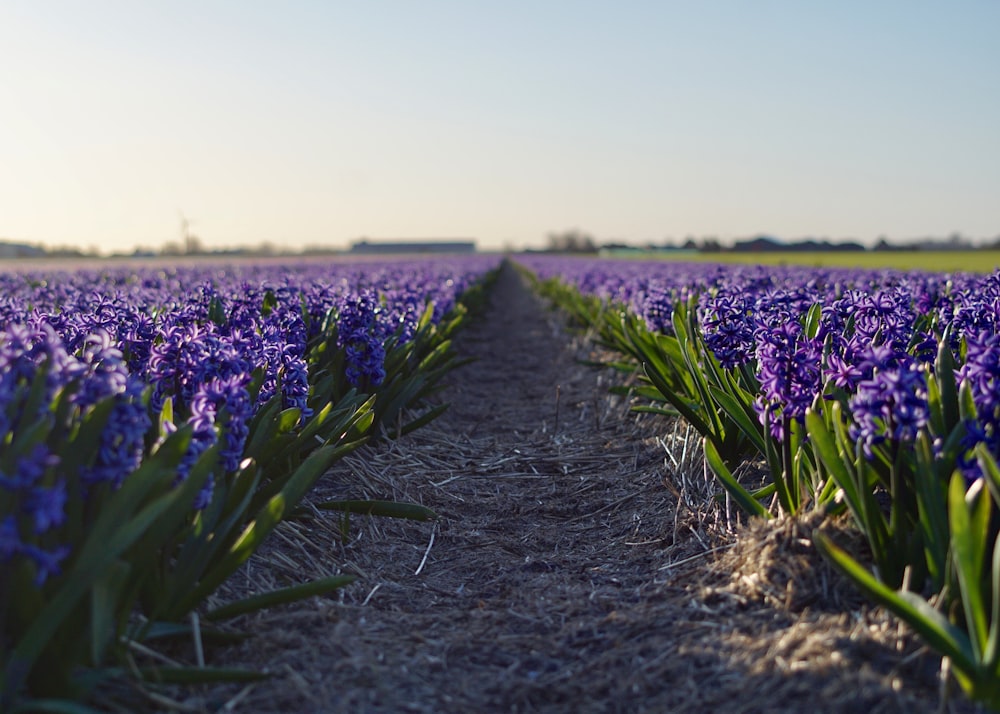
(264, 426)
(143, 498)
(737, 411)
(685, 408)
(288, 419)
(435, 356)
(992, 652)
(990, 469)
(935, 406)
(214, 530)
(854, 476)
(944, 368)
(969, 526)
(82, 445)
(742, 497)
(826, 448)
(183, 631)
(813, 320)
(776, 465)
(217, 311)
(241, 488)
(269, 303)
(35, 400)
(966, 403)
(943, 636)
(166, 415)
(932, 506)
(247, 543)
(263, 522)
(106, 607)
(390, 509)
(671, 412)
(424, 419)
(283, 596)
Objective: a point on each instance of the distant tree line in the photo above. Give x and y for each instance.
(571, 241)
(578, 241)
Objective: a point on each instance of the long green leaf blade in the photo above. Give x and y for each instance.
(283, 596)
(742, 497)
(390, 509)
(934, 627)
(968, 522)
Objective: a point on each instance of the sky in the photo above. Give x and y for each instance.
(308, 123)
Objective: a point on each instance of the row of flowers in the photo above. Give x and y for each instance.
(156, 424)
(851, 385)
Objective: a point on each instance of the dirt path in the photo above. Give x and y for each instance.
(575, 567)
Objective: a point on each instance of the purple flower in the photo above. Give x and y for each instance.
(892, 404)
(294, 377)
(10, 538)
(789, 373)
(106, 373)
(24, 351)
(196, 336)
(122, 440)
(975, 434)
(727, 322)
(972, 308)
(361, 339)
(136, 333)
(47, 506)
(658, 310)
(981, 373)
(188, 356)
(202, 439)
(843, 370)
(282, 351)
(408, 304)
(46, 561)
(29, 468)
(224, 402)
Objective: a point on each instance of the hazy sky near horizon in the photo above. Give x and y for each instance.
(315, 123)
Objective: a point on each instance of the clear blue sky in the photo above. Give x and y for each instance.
(320, 122)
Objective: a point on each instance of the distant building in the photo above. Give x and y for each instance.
(20, 250)
(383, 247)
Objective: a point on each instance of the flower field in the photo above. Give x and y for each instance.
(875, 393)
(160, 424)
(157, 424)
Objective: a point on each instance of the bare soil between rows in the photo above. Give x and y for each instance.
(579, 564)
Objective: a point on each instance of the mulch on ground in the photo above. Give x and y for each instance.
(579, 564)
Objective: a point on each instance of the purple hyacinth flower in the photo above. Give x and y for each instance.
(47, 507)
(10, 538)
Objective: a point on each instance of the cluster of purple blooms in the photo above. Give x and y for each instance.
(876, 338)
(789, 373)
(981, 372)
(362, 338)
(198, 337)
(729, 327)
(36, 369)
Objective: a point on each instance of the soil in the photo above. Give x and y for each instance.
(580, 562)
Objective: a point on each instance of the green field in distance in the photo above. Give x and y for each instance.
(946, 261)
